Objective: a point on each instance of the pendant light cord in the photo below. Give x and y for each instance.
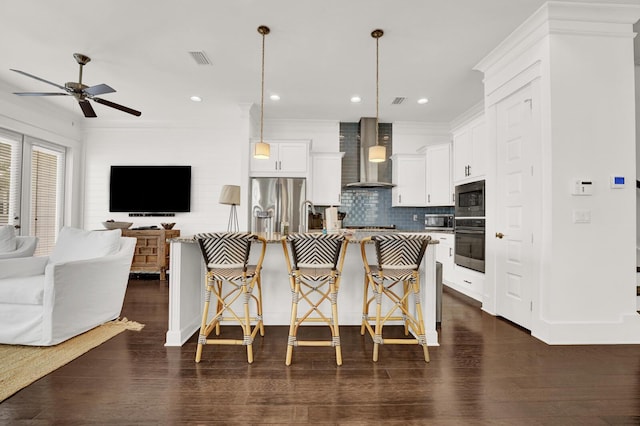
(262, 92)
(377, 90)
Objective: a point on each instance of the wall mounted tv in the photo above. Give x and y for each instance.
(150, 189)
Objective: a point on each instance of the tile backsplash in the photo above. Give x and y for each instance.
(372, 207)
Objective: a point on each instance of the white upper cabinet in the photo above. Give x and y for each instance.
(410, 177)
(470, 151)
(285, 159)
(326, 178)
(439, 184)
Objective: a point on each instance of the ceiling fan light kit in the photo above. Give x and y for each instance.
(81, 92)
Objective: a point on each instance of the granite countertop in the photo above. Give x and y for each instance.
(354, 236)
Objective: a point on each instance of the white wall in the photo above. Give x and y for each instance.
(323, 134)
(579, 61)
(45, 121)
(217, 152)
(411, 137)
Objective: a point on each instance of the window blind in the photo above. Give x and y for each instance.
(10, 166)
(46, 194)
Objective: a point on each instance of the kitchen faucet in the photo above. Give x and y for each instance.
(304, 216)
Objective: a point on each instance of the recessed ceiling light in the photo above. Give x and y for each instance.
(196, 98)
(423, 101)
(274, 97)
(356, 99)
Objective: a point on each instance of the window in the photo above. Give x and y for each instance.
(32, 187)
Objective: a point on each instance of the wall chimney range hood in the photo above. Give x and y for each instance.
(372, 175)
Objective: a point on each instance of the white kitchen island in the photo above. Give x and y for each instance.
(186, 287)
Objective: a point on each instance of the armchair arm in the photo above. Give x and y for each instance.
(22, 266)
(89, 292)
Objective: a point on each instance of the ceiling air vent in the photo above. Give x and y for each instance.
(200, 58)
(398, 100)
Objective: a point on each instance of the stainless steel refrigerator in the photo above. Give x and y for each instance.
(275, 201)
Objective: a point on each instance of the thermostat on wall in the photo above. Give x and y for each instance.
(582, 187)
(617, 181)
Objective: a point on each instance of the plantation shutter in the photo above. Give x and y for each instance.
(10, 166)
(47, 178)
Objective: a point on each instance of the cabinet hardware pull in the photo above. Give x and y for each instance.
(450, 251)
(467, 281)
(499, 235)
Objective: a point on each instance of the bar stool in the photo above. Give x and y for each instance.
(314, 269)
(230, 279)
(395, 278)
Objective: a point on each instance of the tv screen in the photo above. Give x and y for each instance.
(150, 189)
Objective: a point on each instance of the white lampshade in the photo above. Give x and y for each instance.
(230, 195)
(377, 154)
(262, 151)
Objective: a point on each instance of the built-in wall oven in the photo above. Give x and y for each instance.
(469, 243)
(470, 225)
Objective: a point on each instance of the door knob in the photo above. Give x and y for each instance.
(499, 235)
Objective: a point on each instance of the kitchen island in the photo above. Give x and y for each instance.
(186, 286)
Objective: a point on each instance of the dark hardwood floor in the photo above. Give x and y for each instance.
(486, 372)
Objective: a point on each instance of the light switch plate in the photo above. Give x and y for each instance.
(582, 216)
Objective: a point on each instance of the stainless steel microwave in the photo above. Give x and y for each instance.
(438, 222)
(470, 199)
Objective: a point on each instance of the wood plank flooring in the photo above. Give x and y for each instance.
(486, 372)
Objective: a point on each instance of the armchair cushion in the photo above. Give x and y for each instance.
(77, 244)
(7, 238)
(23, 290)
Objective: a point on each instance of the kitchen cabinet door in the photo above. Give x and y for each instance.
(326, 176)
(444, 255)
(439, 184)
(410, 177)
(285, 159)
(470, 151)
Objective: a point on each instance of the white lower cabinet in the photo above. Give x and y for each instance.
(444, 254)
(459, 278)
(467, 282)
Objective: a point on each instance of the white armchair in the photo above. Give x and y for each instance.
(47, 300)
(25, 247)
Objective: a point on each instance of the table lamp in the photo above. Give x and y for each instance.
(231, 195)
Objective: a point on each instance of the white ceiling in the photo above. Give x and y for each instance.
(318, 55)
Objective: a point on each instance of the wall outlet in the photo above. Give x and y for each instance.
(415, 217)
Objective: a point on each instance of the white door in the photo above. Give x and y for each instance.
(515, 206)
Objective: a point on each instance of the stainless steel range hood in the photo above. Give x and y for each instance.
(372, 175)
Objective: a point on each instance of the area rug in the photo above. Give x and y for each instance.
(22, 365)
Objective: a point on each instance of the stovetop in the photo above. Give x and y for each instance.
(373, 228)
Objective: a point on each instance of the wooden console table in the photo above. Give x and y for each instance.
(152, 249)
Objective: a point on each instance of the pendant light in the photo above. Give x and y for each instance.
(377, 153)
(262, 149)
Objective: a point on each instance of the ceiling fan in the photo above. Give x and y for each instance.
(80, 91)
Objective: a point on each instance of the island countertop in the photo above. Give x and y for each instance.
(186, 285)
(355, 237)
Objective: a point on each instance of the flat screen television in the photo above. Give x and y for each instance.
(150, 189)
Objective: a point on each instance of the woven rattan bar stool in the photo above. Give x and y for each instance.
(396, 279)
(314, 268)
(231, 281)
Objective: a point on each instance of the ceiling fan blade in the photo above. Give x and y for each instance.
(116, 106)
(87, 109)
(40, 79)
(40, 94)
(99, 89)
